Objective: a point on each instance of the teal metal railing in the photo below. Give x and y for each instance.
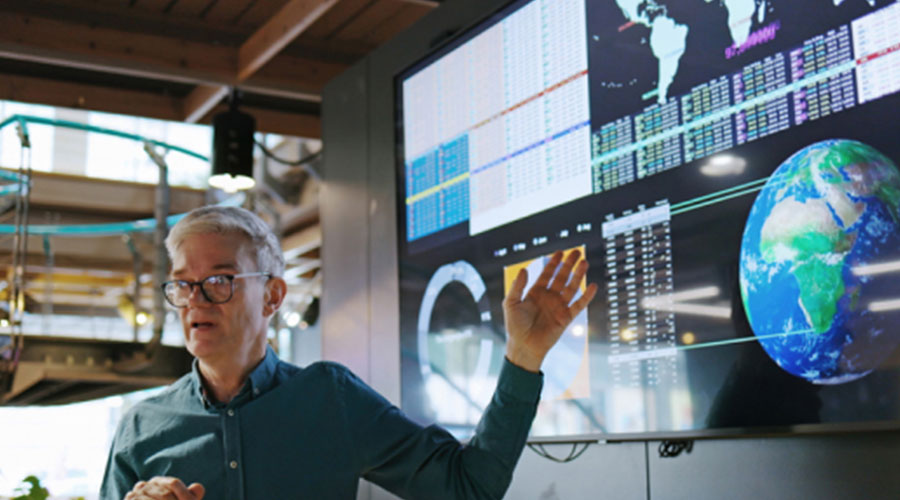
(107, 229)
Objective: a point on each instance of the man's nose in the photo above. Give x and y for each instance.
(196, 297)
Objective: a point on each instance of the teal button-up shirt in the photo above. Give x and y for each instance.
(311, 433)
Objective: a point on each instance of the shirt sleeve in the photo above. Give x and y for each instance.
(119, 477)
(428, 462)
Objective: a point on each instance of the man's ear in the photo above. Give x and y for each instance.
(276, 289)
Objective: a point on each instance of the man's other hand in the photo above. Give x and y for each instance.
(165, 488)
(536, 321)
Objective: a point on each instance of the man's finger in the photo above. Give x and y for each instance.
(163, 487)
(180, 491)
(562, 277)
(584, 300)
(548, 271)
(575, 283)
(198, 490)
(514, 296)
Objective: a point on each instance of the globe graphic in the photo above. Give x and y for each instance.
(819, 260)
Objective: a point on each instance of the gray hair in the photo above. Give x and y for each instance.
(231, 220)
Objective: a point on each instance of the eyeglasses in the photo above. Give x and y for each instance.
(216, 289)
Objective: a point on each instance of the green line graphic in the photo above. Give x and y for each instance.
(718, 343)
(677, 206)
(717, 200)
(723, 195)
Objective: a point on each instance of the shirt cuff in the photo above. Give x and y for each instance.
(519, 383)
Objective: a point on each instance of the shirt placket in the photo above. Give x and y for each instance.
(234, 465)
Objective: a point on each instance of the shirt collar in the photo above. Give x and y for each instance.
(261, 379)
(263, 376)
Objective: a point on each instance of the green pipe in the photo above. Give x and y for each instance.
(10, 189)
(9, 120)
(109, 229)
(9, 176)
(100, 130)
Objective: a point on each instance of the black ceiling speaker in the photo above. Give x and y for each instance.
(232, 158)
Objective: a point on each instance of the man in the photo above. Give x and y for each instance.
(245, 425)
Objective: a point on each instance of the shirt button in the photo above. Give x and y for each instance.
(230, 413)
(233, 464)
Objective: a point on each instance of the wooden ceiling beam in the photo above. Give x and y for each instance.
(201, 100)
(141, 18)
(140, 103)
(286, 72)
(279, 122)
(143, 55)
(113, 50)
(294, 18)
(260, 48)
(91, 97)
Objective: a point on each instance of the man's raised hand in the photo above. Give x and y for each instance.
(536, 321)
(165, 488)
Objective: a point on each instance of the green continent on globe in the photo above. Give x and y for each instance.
(891, 196)
(805, 235)
(827, 212)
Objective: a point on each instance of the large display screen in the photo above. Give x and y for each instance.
(729, 170)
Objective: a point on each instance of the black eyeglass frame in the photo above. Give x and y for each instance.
(192, 284)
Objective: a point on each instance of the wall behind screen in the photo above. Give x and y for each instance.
(360, 324)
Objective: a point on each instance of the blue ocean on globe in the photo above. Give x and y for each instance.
(819, 261)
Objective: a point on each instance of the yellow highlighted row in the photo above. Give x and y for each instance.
(434, 189)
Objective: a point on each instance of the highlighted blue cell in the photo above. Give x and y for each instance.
(422, 173)
(454, 158)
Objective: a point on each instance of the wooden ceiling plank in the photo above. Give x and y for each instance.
(51, 41)
(309, 78)
(154, 6)
(258, 12)
(263, 45)
(188, 8)
(378, 13)
(295, 17)
(102, 50)
(135, 19)
(336, 18)
(225, 11)
(275, 90)
(82, 96)
(403, 19)
(335, 51)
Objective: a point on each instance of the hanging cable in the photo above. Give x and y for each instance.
(574, 453)
(47, 306)
(673, 448)
(302, 162)
(20, 244)
(137, 267)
